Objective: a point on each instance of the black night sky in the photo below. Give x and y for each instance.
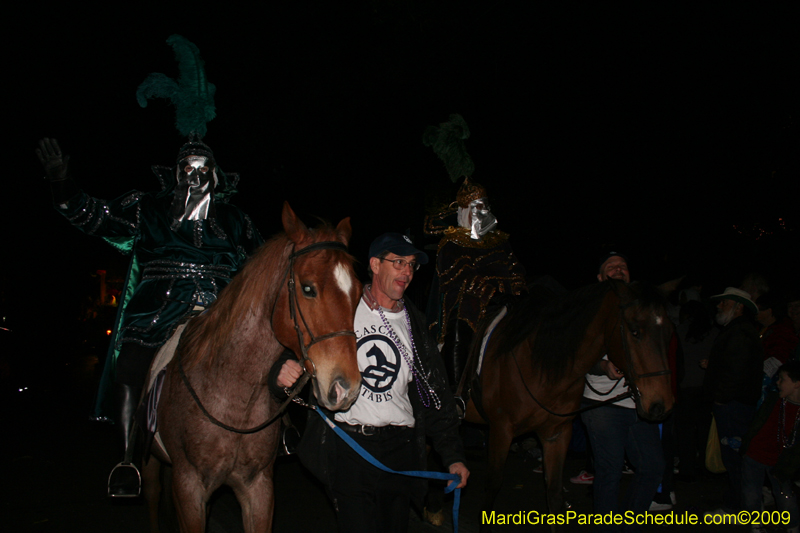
(651, 128)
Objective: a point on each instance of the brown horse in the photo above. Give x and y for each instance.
(536, 359)
(298, 291)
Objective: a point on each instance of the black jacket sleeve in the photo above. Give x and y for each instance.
(440, 425)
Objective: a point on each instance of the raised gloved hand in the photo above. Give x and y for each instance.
(55, 164)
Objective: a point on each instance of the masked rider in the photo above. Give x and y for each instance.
(477, 272)
(186, 244)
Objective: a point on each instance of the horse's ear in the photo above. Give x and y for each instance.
(344, 230)
(293, 226)
(670, 286)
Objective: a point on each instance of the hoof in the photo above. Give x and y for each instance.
(125, 481)
(437, 518)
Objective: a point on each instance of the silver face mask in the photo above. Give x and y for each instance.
(483, 221)
(196, 180)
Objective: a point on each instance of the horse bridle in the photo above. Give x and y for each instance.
(294, 310)
(633, 390)
(631, 376)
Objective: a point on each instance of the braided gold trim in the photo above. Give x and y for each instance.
(461, 237)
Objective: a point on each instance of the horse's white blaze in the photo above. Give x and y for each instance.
(343, 278)
(659, 320)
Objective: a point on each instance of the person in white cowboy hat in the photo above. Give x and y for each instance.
(733, 381)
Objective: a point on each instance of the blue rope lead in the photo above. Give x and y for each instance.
(413, 473)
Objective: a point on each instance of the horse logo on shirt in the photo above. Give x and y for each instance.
(380, 376)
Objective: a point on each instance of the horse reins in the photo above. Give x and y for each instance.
(572, 413)
(300, 383)
(633, 390)
(294, 310)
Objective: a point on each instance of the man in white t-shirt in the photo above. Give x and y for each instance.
(404, 399)
(615, 430)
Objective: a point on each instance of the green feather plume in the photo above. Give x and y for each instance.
(192, 95)
(447, 142)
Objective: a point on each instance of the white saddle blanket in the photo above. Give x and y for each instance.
(500, 315)
(160, 361)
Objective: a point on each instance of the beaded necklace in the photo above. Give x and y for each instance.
(425, 391)
(782, 426)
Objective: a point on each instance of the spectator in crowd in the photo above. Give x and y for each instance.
(771, 449)
(697, 334)
(616, 430)
(733, 381)
(793, 310)
(755, 285)
(777, 330)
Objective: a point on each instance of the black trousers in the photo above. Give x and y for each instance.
(366, 498)
(133, 363)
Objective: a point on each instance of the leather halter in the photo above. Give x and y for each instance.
(631, 376)
(294, 309)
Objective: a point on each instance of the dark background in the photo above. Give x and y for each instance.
(665, 131)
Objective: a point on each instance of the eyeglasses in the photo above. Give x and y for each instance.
(401, 264)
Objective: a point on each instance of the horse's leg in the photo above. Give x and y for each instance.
(554, 447)
(191, 500)
(257, 501)
(500, 436)
(167, 513)
(151, 486)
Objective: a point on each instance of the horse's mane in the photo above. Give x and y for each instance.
(253, 290)
(558, 324)
(648, 296)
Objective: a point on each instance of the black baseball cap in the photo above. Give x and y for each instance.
(398, 244)
(608, 255)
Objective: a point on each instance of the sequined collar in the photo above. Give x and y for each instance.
(373, 304)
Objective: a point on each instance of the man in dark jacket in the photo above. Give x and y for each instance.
(733, 381)
(404, 399)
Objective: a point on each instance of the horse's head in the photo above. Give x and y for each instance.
(313, 315)
(639, 344)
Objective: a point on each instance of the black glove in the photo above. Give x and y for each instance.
(55, 165)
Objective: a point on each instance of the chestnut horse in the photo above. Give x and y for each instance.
(536, 359)
(297, 291)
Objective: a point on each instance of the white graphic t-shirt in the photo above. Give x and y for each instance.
(608, 389)
(385, 374)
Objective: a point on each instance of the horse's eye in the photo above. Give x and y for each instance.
(635, 332)
(309, 292)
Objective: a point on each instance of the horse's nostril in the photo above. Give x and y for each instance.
(657, 410)
(333, 394)
(338, 392)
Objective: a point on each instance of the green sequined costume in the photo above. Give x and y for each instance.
(170, 270)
